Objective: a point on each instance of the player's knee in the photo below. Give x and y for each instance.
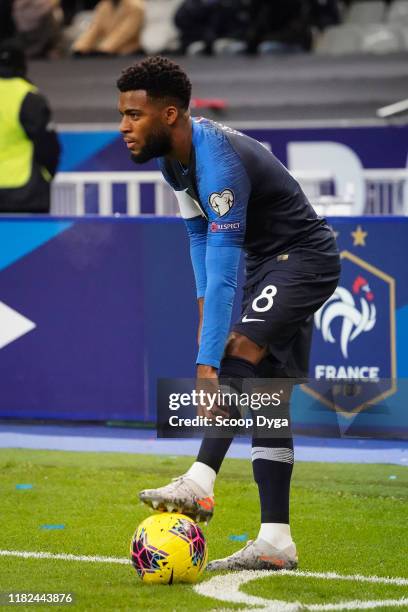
(235, 345)
(243, 347)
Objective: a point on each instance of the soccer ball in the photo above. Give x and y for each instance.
(168, 548)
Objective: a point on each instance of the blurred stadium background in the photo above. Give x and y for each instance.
(93, 309)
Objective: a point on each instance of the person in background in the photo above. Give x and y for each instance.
(281, 26)
(29, 147)
(202, 22)
(194, 20)
(325, 13)
(114, 30)
(71, 7)
(38, 26)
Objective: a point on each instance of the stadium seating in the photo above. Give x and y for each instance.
(229, 46)
(398, 12)
(404, 34)
(379, 38)
(363, 13)
(340, 40)
(159, 32)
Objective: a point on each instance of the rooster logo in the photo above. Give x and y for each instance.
(354, 321)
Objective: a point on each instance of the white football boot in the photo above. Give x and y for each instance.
(181, 495)
(257, 555)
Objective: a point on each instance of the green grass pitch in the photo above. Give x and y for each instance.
(349, 519)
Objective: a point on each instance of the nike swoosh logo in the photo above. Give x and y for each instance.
(246, 320)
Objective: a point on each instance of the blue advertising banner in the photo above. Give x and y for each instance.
(364, 146)
(86, 306)
(93, 311)
(340, 153)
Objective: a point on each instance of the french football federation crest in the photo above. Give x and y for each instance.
(221, 203)
(355, 331)
(356, 317)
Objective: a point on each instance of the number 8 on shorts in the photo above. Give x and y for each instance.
(268, 293)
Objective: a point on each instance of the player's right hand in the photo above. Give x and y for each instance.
(207, 381)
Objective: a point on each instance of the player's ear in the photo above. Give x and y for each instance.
(171, 114)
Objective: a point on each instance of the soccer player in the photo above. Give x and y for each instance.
(235, 195)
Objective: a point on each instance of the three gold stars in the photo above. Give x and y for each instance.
(359, 236)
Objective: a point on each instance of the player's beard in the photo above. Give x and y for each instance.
(158, 144)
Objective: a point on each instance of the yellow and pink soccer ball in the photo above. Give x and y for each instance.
(168, 548)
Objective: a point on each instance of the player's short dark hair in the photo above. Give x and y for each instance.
(160, 78)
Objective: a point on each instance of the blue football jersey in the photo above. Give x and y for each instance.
(236, 195)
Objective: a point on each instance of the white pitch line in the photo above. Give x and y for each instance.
(62, 556)
(335, 576)
(359, 604)
(249, 574)
(226, 588)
